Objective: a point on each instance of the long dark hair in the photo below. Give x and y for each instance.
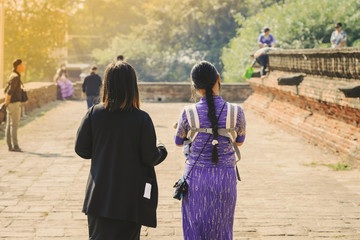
(204, 76)
(120, 87)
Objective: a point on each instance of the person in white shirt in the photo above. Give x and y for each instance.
(338, 37)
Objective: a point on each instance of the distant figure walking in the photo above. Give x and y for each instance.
(91, 87)
(14, 97)
(266, 39)
(209, 205)
(119, 138)
(338, 37)
(66, 86)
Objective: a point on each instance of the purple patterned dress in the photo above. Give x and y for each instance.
(66, 87)
(208, 207)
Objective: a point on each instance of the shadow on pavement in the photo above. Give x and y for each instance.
(49, 155)
(31, 116)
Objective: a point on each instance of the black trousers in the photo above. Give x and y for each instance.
(263, 60)
(101, 228)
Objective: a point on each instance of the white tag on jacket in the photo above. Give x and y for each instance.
(147, 192)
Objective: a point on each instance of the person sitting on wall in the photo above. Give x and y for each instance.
(262, 58)
(338, 37)
(91, 87)
(266, 38)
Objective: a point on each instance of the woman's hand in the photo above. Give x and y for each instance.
(159, 143)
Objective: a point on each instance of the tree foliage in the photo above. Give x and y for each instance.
(164, 38)
(180, 33)
(34, 31)
(294, 24)
(97, 23)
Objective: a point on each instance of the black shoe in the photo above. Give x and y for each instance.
(11, 149)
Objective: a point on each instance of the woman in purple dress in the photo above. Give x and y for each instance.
(209, 205)
(65, 85)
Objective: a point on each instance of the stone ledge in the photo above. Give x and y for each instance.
(316, 94)
(342, 62)
(41, 93)
(181, 91)
(316, 109)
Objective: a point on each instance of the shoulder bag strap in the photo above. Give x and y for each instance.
(193, 119)
(231, 124)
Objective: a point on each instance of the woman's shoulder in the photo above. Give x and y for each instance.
(137, 116)
(239, 108)
(100, 108)
(142, 113)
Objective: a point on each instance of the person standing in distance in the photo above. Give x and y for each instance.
(13, 99)
(91, 87)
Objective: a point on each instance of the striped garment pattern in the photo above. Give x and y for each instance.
(208, 207)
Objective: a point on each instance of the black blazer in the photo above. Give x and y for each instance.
(123, 152)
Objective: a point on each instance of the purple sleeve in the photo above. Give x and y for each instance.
(240, 126)
(260, 38)
(182, 129)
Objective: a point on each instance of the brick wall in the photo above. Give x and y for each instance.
(41, 93)
(316, 108)
(181, 92)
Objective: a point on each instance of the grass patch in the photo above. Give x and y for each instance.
(339, 166)
(11, 171)
(312, 164)
(335, 167)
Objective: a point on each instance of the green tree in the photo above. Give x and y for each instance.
(98, 22)
(294, 24)
(35, 31)
(173, 37)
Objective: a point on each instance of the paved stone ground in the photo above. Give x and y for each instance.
(286, 192)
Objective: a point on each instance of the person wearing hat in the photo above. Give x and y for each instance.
(338, 37)
(266, 39)
(91, 87)
(13, 99)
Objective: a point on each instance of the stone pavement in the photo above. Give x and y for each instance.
(287, 192)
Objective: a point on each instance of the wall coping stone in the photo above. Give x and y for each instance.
(339, 63)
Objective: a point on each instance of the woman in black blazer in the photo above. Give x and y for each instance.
(119, 138)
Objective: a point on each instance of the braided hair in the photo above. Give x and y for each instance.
(204, 76)
(120, 87)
